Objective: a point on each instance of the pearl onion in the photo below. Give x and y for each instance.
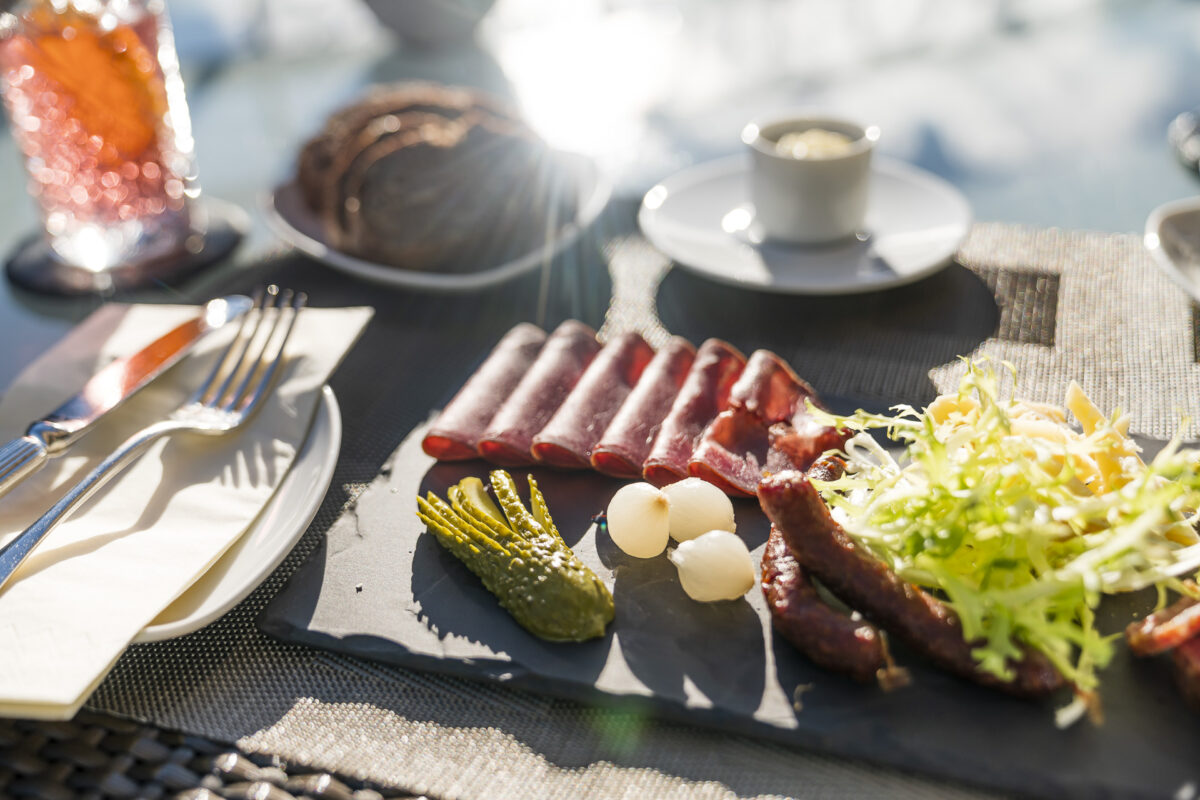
(696, 507)
(714, 566)
(638, 520)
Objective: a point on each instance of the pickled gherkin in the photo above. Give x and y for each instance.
(520, 557)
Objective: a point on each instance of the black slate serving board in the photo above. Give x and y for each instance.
(383, 589)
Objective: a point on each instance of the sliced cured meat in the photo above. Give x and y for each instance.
(626, 441)
(925, 623)
(572, 433)
(706, 413)
(456, 432)
(769, 388)
(1187, 670)
(550, 379)
(732, 452)
(1165, 629)
(767, 428)
(796, 443)
(825, 636)
(705, 393)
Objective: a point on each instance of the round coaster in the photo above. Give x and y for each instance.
(34, 266)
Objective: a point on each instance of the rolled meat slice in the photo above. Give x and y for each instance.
(456, 432)
(705, 394)
(626, 442)
(797, 442)
(767, 428)
(573, 432)
(554, 373)
(732, 452)
(769, 388)
(925, 623)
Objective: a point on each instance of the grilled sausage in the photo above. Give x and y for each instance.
(1187, 670)
(925, 623)
(826, 637)
(1165, 629)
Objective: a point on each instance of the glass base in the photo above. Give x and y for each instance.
(34, 266)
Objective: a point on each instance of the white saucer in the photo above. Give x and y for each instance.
(271, 537)
(1173, 239)
(292, 220)
(702, 219)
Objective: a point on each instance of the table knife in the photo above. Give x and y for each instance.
(107, 389)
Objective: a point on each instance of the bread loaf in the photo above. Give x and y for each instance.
(428, 177)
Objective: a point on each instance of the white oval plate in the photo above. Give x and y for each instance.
(291, 220)
(702, 219)
(1173, 239)
(265, 543)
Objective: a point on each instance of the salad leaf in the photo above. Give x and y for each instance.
(1019, 520)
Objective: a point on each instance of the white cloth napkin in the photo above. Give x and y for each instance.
(108, 570)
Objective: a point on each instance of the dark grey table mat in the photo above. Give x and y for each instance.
(470, 739)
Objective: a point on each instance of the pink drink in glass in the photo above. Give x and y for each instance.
(97, 107)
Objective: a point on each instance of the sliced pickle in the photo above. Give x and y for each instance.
(520, 557)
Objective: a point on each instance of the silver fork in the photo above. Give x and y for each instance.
(232, 392)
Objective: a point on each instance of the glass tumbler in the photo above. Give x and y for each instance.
(96, 102)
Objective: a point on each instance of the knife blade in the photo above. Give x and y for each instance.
(114, 384)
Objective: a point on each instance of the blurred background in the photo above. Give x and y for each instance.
(1047, 112)
(1027, 106)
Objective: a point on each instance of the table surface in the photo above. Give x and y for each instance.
(1047, 114)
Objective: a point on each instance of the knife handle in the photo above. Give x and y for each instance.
(19, 458)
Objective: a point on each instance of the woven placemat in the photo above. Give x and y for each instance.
(98, 755)
(1058, 304)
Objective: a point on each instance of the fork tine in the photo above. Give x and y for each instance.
(218, 368)
(251, 400)
(281, 301)
(268, 299)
